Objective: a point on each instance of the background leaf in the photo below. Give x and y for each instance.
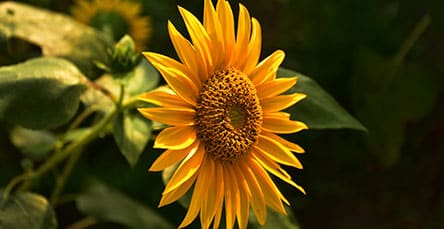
(40, 93)
(131, 133)
(26, 210)
(106, 204)
(319, 110)
(55, 33)
(387, 97)
(275, 220)
(34, 144)
(143, 78)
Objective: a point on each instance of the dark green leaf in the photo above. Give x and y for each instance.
(319, 110)
(40, 93)
(145, 78)
(56, 34)
(387, 96)
(107, 204)
(275, 220)
(131, 133)
(26, 210)
(142, 79)
(34, 144)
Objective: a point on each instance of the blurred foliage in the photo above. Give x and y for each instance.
(389, 177)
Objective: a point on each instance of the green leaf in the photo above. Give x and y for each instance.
(131, 133)
(56, 34)
(40, 93)
(34, 144)
(143, 78)
(275, 220)
(319, 110)
(26, 210)
(107, 204)
(386, 96)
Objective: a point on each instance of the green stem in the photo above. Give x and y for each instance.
(61, 180)
(416, 33)
(71, 148)
(81, 117)
(16, 180)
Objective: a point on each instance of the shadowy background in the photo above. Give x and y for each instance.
(383, 60)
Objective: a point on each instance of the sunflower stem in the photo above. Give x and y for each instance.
(71, 149)
(407, 45)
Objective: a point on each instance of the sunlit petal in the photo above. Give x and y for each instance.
(186, 53)
(277, 152)
(172, 157)
(257, 196)
(170, 116)
(175, 138)
(165, 97)
(280, 102)
(254, 48)
(275, 87)
(186, 170)
(267, 68)
(282, 126)
(176, 78)
(200, 39)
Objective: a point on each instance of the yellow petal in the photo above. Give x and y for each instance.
(275, 87)
(175, 138)
(227, 23)
(277, 152)
(267, 68)
(186, 170)
(200, 39)
(165, 97)
(208, 209)
(230, 196)
(220, 186)
(243, 36)
(280, 102)
(275, 169)
(271, 193)
(256, 195)
(290, 145)
(171, 157)
(186, 52)
(214, 29)
(196, 201)
(176, 77)
(254, 48)
(244, 194)
(282, 126)
(170, 116)
(174, 195)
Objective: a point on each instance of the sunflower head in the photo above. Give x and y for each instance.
(224, 111)
(115, 17)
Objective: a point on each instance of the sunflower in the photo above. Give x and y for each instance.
(118, 17)
(223, 108)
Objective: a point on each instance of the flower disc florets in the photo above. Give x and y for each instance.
(228, 115)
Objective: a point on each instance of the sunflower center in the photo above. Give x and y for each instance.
(228, 115)
(110, 22)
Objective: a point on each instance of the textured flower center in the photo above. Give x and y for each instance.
(228, 115)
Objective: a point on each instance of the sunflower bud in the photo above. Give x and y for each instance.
(122, 58)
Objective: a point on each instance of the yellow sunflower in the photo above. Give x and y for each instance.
(119, 17)
(223, 108)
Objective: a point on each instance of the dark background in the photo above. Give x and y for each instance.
(390, 177)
